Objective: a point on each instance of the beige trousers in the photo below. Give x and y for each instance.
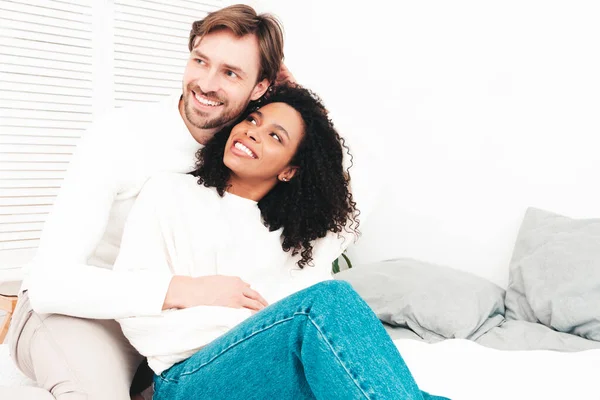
(71, 358)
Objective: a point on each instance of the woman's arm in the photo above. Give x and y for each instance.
(180, 333)
(148, 245)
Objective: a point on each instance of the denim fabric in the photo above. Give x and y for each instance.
(321, 343)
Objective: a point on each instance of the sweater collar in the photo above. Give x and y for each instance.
(239, 201)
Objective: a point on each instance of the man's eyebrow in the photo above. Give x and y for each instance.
(277, 126)
(200, 54)
(233, 68)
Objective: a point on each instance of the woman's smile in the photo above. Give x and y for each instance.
(240, 149)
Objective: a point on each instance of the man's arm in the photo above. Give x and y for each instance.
(59, 278)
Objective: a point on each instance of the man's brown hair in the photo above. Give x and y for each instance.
(243, 20)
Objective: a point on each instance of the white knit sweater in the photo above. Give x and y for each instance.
(179, 227)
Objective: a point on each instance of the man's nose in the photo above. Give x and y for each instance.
(209, 82)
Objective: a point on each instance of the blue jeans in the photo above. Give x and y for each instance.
(323, 342)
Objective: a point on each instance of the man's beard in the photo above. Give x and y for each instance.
(229, 113)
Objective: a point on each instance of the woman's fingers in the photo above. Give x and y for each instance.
(252, 304)
(254, 295)
(284, 75)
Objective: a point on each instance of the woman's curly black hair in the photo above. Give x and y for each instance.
(317, 199)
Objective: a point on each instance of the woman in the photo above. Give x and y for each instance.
(262, 192)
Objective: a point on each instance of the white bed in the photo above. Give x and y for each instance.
(464, 370)
(9, 374)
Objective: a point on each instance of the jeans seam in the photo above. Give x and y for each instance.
(337, 357)
(166, 379)
(323, 337)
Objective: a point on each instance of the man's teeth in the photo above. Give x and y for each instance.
(207, 102)
(246, 150)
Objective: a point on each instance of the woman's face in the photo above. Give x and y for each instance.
(261, 147)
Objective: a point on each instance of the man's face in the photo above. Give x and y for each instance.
(220, 79)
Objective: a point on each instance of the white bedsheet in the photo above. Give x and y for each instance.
(9, 374)
(464, 370)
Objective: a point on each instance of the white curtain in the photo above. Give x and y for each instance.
(62, 62)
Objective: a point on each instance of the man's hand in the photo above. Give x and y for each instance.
(213, 290)
(284, 76)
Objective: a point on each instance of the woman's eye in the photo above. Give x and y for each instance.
(276, 137)
(251, 120)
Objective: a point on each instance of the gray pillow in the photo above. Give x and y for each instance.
(555, 274)
(435, 302)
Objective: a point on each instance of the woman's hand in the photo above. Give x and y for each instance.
(284, 76)
(212, 290)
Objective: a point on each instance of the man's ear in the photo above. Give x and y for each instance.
(287, 174)
(259, 89)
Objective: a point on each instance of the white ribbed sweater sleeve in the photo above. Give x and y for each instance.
(148, 245)
(59, 279)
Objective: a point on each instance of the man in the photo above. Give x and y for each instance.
(63, 333)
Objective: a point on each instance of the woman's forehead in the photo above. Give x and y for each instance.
(283, 116)
(277, 112)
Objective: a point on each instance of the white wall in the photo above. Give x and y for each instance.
(474, 111)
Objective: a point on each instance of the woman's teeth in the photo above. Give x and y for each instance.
(206, 102)
(243, 148)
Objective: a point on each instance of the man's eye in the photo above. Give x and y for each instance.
(276, 136)
(231, 74)
(199, 61)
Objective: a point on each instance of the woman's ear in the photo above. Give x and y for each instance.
(287, 174)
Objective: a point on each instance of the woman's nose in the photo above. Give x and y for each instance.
(253, 135)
